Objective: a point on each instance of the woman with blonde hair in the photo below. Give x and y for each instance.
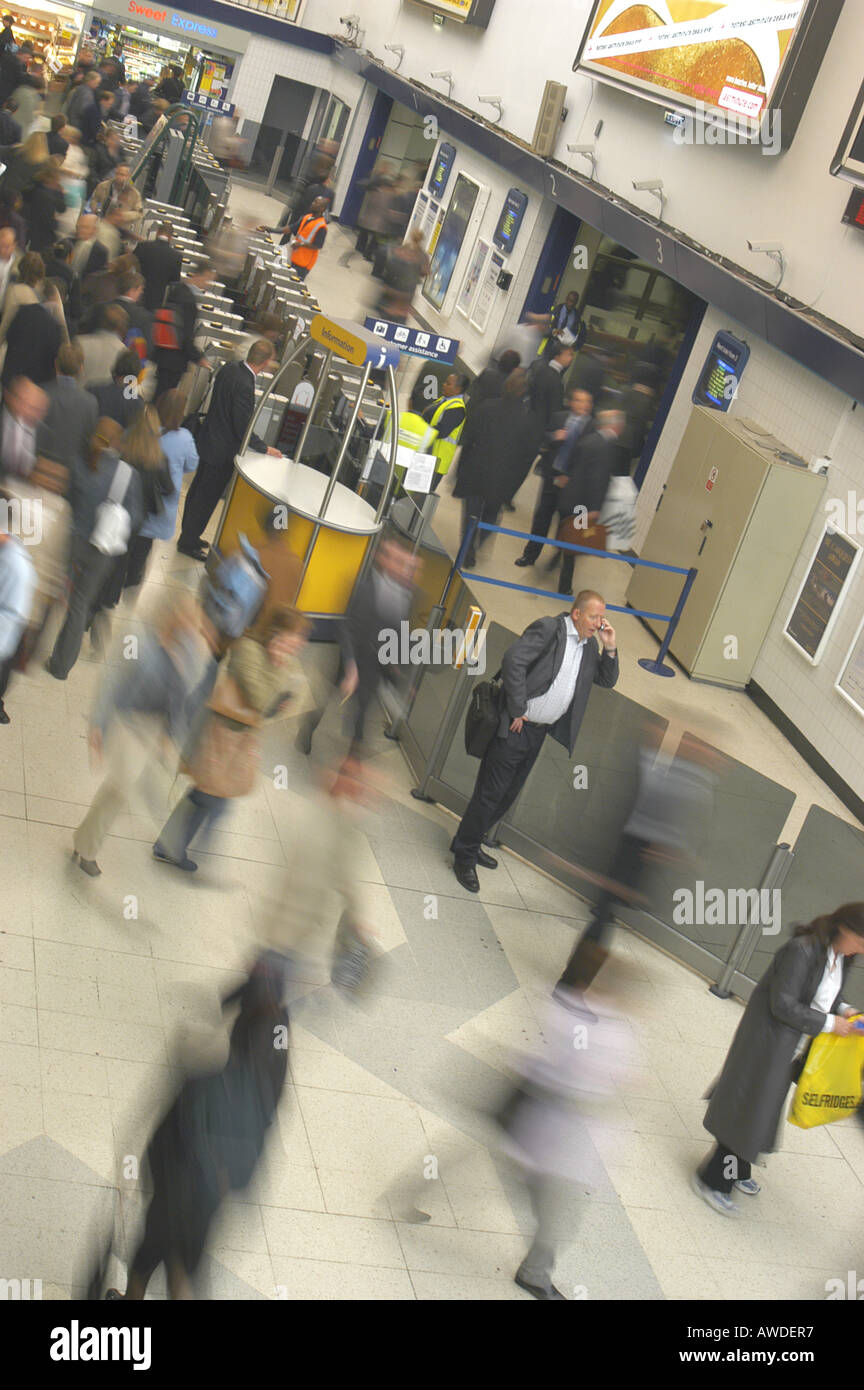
(141, 448)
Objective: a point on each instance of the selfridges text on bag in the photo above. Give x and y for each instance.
(112, 526)
(234, 589)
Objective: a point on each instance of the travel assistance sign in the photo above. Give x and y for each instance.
(415, 341)
(352, 343)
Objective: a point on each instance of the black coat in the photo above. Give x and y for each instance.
(43, 206)
(489, 385)
(591, 463)
(115, 403)
(161, 264)
(546, 386)
(32, 343)
(182, 300)
(531, 664)
(499, 442)
(748, 1097)
(226, 422)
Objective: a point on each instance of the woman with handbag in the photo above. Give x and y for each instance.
(260, 678)
(179, 450)
(798, 997)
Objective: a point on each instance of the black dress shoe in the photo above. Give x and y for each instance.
(550, 1295)
(522, 562)
(509, 507)
(466, 874)
(4, 718)
(485, 860)
(195, 552)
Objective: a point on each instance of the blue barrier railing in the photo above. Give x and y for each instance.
(656, 666)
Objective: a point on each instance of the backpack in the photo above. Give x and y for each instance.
(165, 333)
(234, 589)
(113, 524)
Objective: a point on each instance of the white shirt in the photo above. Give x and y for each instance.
(17, 583)
(548, 708)
(5, 272)
(829, 986)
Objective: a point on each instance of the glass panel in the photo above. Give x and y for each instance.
(460, 771)
(825, 873)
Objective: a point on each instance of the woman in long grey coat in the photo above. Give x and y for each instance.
(799, 994)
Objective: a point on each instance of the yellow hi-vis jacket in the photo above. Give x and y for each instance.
(445, 449)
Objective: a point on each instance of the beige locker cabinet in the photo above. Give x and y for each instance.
(736, 512)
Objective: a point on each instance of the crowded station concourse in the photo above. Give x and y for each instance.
(477, 893)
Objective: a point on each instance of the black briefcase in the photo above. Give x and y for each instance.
(483, 715)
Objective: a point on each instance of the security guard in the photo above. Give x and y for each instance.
(446, 417)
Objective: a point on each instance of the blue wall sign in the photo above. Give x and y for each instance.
(203, 102)
(510, 220)
(414, 341)
(723, 369)
(441, 169)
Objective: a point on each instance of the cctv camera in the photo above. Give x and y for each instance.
(581, 149)
(768, 247)
(647, 185)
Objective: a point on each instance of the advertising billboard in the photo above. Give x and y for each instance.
(449, 242)
(729, 59)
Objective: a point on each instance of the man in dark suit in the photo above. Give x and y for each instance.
(563, 429)
(161, 264)
(182, 298)
(548, 673)
(590, 465)
(88, 255)
(119, 399)
(220, 436)
(139, 334)
(546, 384)
(380, 603)
(66, 431)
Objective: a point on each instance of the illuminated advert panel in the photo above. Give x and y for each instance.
(727, 60)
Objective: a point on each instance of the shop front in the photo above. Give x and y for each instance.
(54, 31)
(150, 39)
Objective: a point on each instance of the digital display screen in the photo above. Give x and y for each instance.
(720, 55)
(854, 213)
(449, 243)
(510, 220)
(441, 169)
(718, 380)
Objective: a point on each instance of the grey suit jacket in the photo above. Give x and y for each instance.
(531, 664)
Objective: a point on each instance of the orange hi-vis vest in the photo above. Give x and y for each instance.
(307, 232)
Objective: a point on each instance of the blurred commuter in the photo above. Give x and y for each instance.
(72, 411)
(9, 258)
(89, 255)
(584, 486)
(179, 449)
(161, 265)
(116, 191)
(548, 673)
(212, 1137)
(562, 430)
(669, 823)
(141, 448)
(34, 334)
(102, 346)
(57, 143)
(107, 504)
(120, 398)
(140, 705)
(799, 996)
(139, 334)
(499, 443)
(170, 88)
(404, 267)
(282, 567)
(231, 408)
(17, 586)
(261, 676)
(372, 218)
(489, 385)
(44, 206)
(380, 604)
(27, 288)
(24, 407)
(105, 157)
(174, 346)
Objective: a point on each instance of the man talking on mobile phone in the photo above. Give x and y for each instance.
(547, 673)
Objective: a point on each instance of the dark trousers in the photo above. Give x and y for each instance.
(301, 270)
(547, 506)
(169, 376)
(503, 772)
(484, 511)
(367, 687)
(136, 561)
(627, 869)
(723, 1168)
(208, 485)
(195, 810)
(90, 571)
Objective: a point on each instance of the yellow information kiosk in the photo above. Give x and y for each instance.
(327, 526)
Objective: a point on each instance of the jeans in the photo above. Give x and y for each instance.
(196, 809)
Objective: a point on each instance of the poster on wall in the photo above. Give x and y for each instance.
(436, 231)
(473, 277)
(427, 226)
(725, 58)
(449, 242)
(487, 292)
(420, 210)
(820, 597)
(510, 221)
(851, 682)
(441, 167)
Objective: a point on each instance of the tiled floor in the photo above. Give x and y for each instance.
(107, 985)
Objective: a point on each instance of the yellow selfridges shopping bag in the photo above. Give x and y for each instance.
(829, 1087)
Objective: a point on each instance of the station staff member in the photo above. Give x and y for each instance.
(310, 234)
(446, 417)
(548, 673)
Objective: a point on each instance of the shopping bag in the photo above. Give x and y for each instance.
(829, 1087)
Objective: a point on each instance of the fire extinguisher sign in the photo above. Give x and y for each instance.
(712, 478)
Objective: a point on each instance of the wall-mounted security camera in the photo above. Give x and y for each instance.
(448, 78)
(399, 50)
(493, 101)
(587, 152)
(654, 186)
(774, 251)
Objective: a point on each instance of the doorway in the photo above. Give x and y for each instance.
(281, 136)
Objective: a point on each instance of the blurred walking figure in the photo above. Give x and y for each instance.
(380, 603)
(669, 823)
(372, 220)
(17, 586)
(141, 704)
(499, 443)
(212, 1138)
(584, 1054)
(260, 678)
(404, 267)
(799, 996)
